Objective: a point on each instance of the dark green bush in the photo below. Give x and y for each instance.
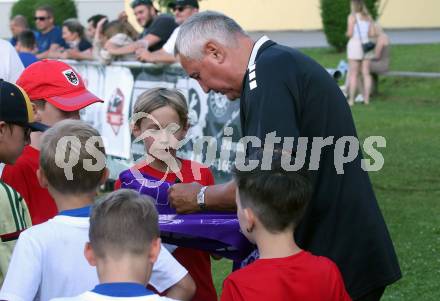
(334, 15)
(63, 9)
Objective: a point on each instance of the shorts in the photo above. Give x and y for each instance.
(355, 52)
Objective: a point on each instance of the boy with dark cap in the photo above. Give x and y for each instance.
(16, 123)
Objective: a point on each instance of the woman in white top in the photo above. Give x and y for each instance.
(359, 30)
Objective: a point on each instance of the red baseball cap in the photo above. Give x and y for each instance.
(57, 83)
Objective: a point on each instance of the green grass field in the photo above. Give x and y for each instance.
(407, 114)
(418, 58)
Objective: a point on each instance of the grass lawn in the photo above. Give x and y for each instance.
(418, 58)
(407, 114)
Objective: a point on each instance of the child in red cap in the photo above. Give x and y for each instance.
(57, 93)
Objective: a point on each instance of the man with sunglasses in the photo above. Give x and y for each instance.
(183, 9)
(16, 124)
(48, 35)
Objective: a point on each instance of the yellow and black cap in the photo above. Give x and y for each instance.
(16, 108)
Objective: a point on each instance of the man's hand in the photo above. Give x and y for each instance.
(73, 54)
(183, 197)
(143, 55)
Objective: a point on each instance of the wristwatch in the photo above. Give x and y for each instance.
(201, 198)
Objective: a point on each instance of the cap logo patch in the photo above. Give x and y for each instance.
(71, 77)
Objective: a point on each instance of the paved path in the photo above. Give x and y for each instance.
(413, 74)
(302, 39)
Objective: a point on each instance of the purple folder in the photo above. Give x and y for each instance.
(211, 231)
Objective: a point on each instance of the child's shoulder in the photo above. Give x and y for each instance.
(93, 296)
(193, 164)
(320, 263)
(56, 227)
(195, 171)
(40, 231)
(14, 213)
(304, 261)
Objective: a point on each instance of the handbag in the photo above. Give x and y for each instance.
(368, 46)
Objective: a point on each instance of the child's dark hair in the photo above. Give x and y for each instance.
(74, 26)
(95, 19)
(27, 39)
(123, 222)
(278, 197)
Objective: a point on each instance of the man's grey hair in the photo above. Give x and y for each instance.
(203, 27)
(20, 20)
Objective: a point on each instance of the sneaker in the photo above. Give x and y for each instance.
(359, 98)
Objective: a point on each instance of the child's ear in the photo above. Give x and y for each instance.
(250, 218)
(37, 114)
(3, 127)
(42, 180)
(104, 176)
(154, 250)
(89, 254)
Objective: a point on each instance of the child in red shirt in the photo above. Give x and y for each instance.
(161, 122)
(57, 92)
(269, 205)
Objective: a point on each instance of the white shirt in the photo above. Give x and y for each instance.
(122, 291)
(168, 47)
(10, 63)
(361, 28)
(48, 262)
(90, 296)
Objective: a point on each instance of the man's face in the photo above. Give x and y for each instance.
(90, 32)
(14, 138)
(143, 14)
(42, 20)
(15, 28)
(182, 13)
(212, 76)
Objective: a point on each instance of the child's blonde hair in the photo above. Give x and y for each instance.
(114, 27)
(156, 98)
(82, 181)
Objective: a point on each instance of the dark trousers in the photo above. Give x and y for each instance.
(374, 295)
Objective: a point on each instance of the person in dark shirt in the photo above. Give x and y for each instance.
(48, 35)
(73, 35)
(157, 28)
(286, 93)
(183, 9)
(92, 23)
(25, 47)
(77, 45)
